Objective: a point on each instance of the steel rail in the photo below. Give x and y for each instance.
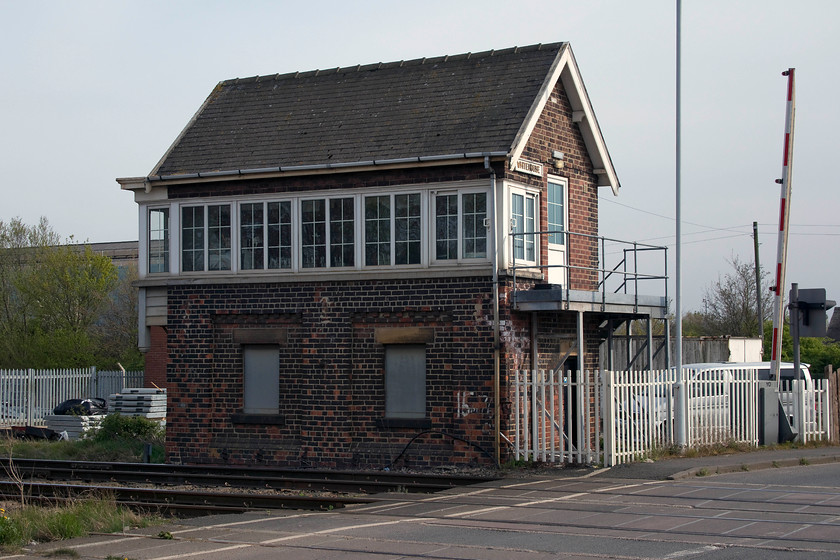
(236, 476)
(174, 499)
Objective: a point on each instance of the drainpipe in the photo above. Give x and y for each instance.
(496, 327)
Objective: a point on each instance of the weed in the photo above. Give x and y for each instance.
(776, 465)
(10, 532)
(66, 552)
(78, 518)
(745, 468)
(703, 472)
(804, 461)
(166, 535)
(123, 450)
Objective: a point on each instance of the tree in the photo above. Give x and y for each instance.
(51, 297)
(729, 304)
(115, 332)
(816, 352)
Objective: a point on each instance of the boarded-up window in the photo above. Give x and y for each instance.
(405, 381)
(262, 379)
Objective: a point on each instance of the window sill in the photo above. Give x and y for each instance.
(421, 423)
(261, 419)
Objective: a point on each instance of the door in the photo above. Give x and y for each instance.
(558, 238)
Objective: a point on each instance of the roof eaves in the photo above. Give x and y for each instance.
(326, 166)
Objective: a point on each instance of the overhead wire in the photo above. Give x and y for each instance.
(745, 229)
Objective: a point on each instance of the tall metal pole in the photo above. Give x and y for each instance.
(759, 308)
(798, 424)
(784, 220)
(680, 404)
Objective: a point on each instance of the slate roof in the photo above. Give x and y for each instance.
(427, 107)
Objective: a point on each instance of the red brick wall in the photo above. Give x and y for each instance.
(157, 358)
(332, 372)
(556, 131)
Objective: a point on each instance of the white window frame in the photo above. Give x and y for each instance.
(167, 240)
(427, 221)
(528, 194)
(265, 235)
(234, 236)
(423, 218)
(460, 239)
(297, 227)
(565, 184)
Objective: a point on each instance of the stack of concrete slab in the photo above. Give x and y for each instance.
(74, 426)
(148, 403)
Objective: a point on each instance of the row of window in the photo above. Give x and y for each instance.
(405, 380)
(388, 226)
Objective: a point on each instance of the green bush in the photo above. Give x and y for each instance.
(117, 426)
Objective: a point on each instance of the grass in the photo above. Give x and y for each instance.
(725, 449)
(123, 451)
(120, 439)
(22, 524)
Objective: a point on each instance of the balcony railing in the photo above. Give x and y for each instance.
(623, 267)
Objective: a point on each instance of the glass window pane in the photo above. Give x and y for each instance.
(530, 226)
(407, 228)
(556, 213)
(523, 208)
(159, 240)
(313, 233)
(251, 232)
(279, 234)
(341, 232)
(192, 238)
(218, 230)
(446, 227)
(475, 234)
(377, 230)
(517, 214)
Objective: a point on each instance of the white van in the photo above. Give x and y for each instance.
(711, 389)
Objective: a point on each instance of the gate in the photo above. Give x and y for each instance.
(556, 416)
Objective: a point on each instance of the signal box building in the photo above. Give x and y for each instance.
(345, 268)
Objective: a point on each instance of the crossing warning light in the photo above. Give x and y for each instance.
(812, 316)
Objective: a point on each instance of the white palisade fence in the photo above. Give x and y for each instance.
(612, 417)
(27, 396)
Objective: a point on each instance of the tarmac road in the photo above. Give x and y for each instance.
(629, 512)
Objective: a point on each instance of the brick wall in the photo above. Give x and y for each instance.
(556, 131)
(332, 372)
(157, 358)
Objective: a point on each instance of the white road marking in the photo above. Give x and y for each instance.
(691, 552)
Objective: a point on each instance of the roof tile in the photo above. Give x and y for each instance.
(473, 102)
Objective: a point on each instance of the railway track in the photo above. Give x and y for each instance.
(200, 489)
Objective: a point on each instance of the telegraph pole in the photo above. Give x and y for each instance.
(680, 393)
(759, 308)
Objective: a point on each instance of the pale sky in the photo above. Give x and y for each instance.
(97, 90)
